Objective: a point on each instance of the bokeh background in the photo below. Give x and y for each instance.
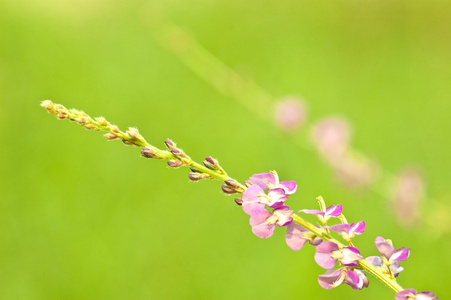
(83, 218)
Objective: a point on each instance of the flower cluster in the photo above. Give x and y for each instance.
(264, 200)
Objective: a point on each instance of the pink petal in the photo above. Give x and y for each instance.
(250, 206)
(263, 230)
(264, 180)
(294, 236)
(259, 216)
(330, 279)
(334, 211)
(385, 248)
(252, 193)
(357, 228)
(290, 187)
(400, 254)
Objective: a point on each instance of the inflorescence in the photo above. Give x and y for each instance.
(263, 198)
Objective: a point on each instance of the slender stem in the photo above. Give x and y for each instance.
(132, 137)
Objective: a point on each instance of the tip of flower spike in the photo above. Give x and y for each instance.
(47, 104)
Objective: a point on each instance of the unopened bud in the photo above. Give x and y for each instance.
(134, 133)
(178, 153)
(198, 176)
(170, 144)
(47, 104)
(90, 126)
(110, 136)
(248, 183)
(174, 163)
(239, 201)
(81, 120)
(148, 153)
(127, 142)
(102, 121)
(114, 129)
(194, 170)
(211, 163)
(228, 190)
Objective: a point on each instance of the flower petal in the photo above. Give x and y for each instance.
(250, 206)
(330, 279)
(323, 254)
(264, 180)
(259, 216)
(295, 236)
(290, 187)
(252, 193)
(385, 248)
(400, 254)
(263, 230)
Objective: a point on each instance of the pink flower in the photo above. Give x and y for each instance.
(388, 252)
(411, 294)
(255, 197)
(296, 237)
(348, 231)
(327, 254)
(268, 181)
(263, 222)
(353, 277)
(331, 211)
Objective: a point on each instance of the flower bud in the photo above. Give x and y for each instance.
(194, 170)
(133, 133)
(174, 163)
(239, 201)
(102, 121)
(211, 163)
(198, 176)
(148, 153)
(91, 126)
(110, 136)
(228, 190)
(47, 104)
(248, 183)
(170, 144)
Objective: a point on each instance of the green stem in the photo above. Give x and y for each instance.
(63, 113)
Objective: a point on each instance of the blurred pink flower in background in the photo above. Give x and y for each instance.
(290, 113)
(331, 137)
(406, 196)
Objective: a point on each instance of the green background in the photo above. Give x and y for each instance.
(83, 218)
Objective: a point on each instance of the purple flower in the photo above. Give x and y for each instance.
(268, 181)
(394, 268)
(255, 197)
(388, 253)
(411, 294)
(348, 231)
(263, 222)
(327, 254)
(333, 278)
(331, 211)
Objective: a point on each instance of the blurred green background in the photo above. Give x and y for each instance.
(82, 218)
